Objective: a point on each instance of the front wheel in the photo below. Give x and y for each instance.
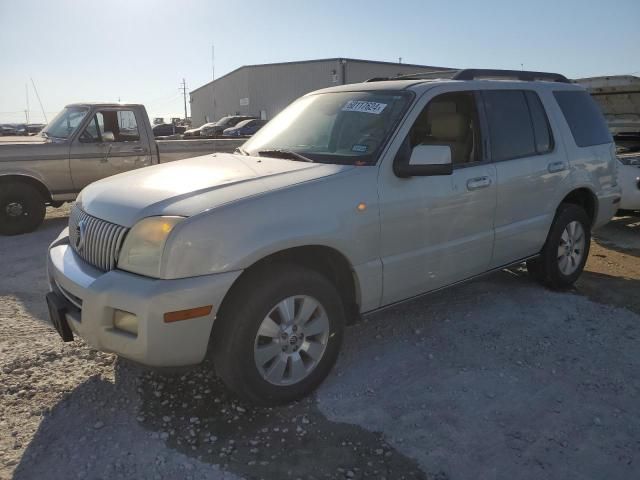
(278, 334)
(566, 250)
(22, 208)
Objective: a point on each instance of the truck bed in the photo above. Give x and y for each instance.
(171, 150)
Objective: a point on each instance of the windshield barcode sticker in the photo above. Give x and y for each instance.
(364, 107)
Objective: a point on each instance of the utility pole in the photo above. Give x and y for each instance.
(213, 62)
(184, 96)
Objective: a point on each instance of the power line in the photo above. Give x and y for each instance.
(38, 97)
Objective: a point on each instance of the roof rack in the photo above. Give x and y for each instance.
(524, 75)
(475, 73)
(418, 76)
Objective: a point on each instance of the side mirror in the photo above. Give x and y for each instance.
(424, 160)
(108, 137)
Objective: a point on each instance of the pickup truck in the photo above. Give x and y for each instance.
(352, 199)
(85, 142)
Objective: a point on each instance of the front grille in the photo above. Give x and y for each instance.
(97, 241)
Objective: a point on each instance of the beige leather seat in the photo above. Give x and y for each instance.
(451, 128)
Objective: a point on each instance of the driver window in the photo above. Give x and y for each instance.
(94, 130)
(450, 119)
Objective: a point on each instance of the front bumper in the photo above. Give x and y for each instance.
(94, 295)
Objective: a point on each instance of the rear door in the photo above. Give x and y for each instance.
(530, 167)
(110, 143)
(436, 230)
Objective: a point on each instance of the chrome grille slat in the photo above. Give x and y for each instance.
(101, 240)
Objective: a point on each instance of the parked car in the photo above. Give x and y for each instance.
(35, 128)
(195, 132)
(8, 130)
(352, 199)
(245, 128)
(216, 129)
(629, 176)
(167, 129)
(21, 130)
(83, 143)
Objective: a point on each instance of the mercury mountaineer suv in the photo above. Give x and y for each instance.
(352, 199)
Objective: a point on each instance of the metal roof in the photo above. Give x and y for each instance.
(301, 62)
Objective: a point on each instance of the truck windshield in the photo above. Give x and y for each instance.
(341, 127)
(65, 123)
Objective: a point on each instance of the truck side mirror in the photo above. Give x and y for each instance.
(423, 160)
(108, 137)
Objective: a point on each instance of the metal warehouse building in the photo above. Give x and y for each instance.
(264, 90)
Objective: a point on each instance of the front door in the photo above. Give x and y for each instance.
(110, 143)
(437, 230)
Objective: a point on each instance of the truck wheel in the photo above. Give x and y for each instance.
(22, 208)
(278, 335)
(566, 250)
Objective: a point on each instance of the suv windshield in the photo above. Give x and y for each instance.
(341, 127)
(66, 122)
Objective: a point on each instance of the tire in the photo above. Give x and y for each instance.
(235, 341)
(564, 253)
(22, 208)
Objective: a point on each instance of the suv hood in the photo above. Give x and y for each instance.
(191, 186)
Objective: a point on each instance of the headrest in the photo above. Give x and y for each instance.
(449, 126)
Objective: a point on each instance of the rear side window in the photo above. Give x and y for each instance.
(510, 127)
(584, 118)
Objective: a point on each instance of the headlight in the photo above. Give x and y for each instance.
(143, 246)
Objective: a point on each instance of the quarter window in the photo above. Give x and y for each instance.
(584, 117)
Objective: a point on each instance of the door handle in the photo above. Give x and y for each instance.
(477, 183)
(138, 149)
(556, 167)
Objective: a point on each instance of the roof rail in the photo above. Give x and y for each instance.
(418, 76)
(524, 75)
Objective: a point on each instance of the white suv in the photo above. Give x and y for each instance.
(353, 198)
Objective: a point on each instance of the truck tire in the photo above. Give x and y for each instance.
(22, 208)
(566, 250)
(278, 334)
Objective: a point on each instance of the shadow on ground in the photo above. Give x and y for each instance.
(25, 276)
(622, 234)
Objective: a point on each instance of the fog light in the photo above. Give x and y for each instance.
(125, 321)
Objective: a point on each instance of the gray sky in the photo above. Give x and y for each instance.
(139, 50)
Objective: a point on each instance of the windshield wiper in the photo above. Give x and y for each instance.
(283, 153)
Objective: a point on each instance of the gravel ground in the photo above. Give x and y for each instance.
(499, 378)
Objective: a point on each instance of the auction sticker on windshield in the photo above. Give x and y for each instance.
(364, 107)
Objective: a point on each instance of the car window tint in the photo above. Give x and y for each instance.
(510, 128)
(584, 117)
(541, 130)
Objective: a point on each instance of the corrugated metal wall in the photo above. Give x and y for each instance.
(270, 88)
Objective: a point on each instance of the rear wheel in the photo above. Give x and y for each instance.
(22, 208)
(279, 334)
(566, 250)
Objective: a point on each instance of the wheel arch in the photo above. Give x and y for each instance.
(585, 198)
(28, 180)
(325, 260)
